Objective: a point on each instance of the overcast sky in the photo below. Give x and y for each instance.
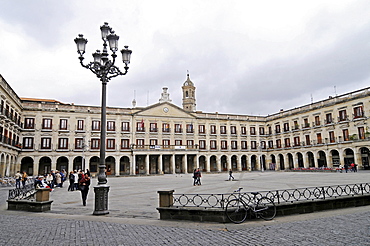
(244, 57)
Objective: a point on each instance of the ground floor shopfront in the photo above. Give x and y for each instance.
(162, 162)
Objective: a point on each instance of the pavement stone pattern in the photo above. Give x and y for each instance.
(353, 229)
(72, 224)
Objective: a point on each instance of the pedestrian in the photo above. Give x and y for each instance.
(18, 178)
(195, 177)
(88, 172)
(231, 175)
(75, 180)
(50, 180)
(355, 167)
(352, 167)
(198, 175)
(346, 167)
(58, 179)
(24, 178)
(71, 178)
(84, 184)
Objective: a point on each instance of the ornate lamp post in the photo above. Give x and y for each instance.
(104, 69)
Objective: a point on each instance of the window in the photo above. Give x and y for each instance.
(305, 123)
(278, 143)
(329, 118)
(63, 143)
(296, 126)
(125, 126)
(213, 129)
(45, 143)
(29, 123)
(63, 124)
(140, 126)
(165, 127)
(277, 128)
(308, 140)
(178, 142)
(223, 144)
(202, 129)
(95, 143)
(166, 143)
(213, 144)
(111, 126)
(233, 129)
(125, 143)
(234, 144)
(345, 135)
(153, 127)
(223, 129)
(263, 145)
(111, 143)
(190, 143)
(189, 128)
(178, 128)
(253, 130)
(253, 144)
(317, 120)
(271, 144)
(80, 125)
(287, 142)
(262, 130)
(361, 132)
(319, 138)
(331, 137)
(153, 142)
(270, 130)
(95, 126)
(243, 130)
(358, 112)
(297, 141)
(140, 143)
(342, 115)
(79, 142)
(202, 144)
(244, 144)
(28, 143)
(47, 123)
(286, 127)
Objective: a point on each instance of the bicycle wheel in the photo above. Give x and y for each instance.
(236, 211)
(266, 208)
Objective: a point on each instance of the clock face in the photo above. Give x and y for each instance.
(165, 109)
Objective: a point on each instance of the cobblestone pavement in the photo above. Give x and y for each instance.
(347, 229)
(72, 224)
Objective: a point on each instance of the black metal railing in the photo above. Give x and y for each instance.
(25, 193)
(278, 196)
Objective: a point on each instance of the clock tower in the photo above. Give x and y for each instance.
(188, 95)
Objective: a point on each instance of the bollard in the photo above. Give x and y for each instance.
(166, 198)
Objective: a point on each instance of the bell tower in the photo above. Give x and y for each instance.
(188, 95)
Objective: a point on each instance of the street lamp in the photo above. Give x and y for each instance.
(104, 69)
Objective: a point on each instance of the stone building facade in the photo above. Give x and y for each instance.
(40, 135)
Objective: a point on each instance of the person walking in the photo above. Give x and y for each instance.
(76, 180)
(346, 167)
(195, 177)
(231, 175)
(58, 179)
(18, 178)
(24, 178)
(84, 184)
(198, 175)
(71, 179)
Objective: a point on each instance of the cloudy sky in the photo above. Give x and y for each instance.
(244, 57)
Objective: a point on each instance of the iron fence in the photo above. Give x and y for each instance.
(25, 193)
(286, 196)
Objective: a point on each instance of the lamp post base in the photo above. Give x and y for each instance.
(101, 200)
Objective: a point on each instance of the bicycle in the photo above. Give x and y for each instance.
(237, 209)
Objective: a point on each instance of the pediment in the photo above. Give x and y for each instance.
(164, 110)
